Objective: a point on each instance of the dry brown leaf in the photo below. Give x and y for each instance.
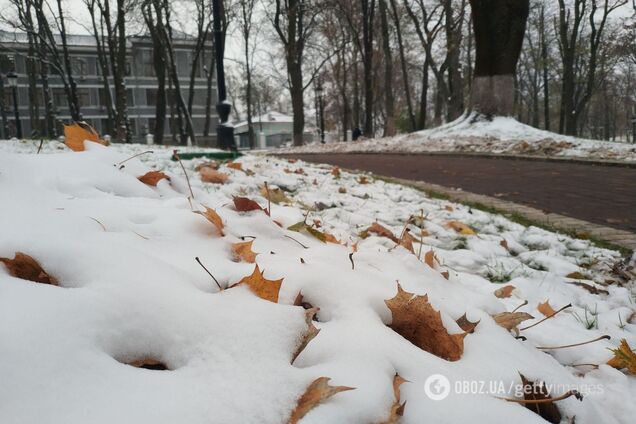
(149, 364)
(25, 267)
(342, 190)
(415, 319)
(210, 175)
(382, 231)
(363, 180)
(243, 252)
(546, 309)
(537, 392)
(261, 286)
(445, 274)
(590, 288)
(406, 241)
(234, 165)
(317, 392)
(213, 217)
(466, 325)
(243, 204)
(311, 332)
(153, 177)
(430, 259)
(576, 276)
(77, 133)
(624, 357)
(505, 291)
(397, 409)
(335, 171)
(449, 208)
(461, 228)
(207, 164)
(510, 320)
(504, 244)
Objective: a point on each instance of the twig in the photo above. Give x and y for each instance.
(585, 365)
(547, 400)
(134, 156)
(209, 273)
(40, 146)
(102, 225)
(419, 251)
(605, 337)
(290, 237)
(143, 237)
(353, 265)
(176, 155)
(569, 305)
(525, 302)
(269, 201)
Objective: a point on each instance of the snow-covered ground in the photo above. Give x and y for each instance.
(130, 292)
(502, 135)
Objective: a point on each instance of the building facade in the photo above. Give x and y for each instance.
(141, 85)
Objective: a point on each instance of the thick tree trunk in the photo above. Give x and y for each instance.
(499, 27)
(389, 102)
(403, 64)
(368, 14)
(298, 107)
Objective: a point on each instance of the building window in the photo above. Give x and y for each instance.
(147, 64)
(59, 97)
(130, 97)
(83, 97)
(128, 68)
(79, 66)
(151, 96)
(7, 63)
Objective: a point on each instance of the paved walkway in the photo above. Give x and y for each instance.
(603, 195)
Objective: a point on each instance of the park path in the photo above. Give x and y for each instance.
(604, 195)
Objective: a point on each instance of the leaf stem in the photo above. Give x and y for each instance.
(175, 153)
(569, 305)
(134, 156)
(604, 337)
(209, 273)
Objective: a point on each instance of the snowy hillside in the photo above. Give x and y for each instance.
(121, 324)
(502, 135)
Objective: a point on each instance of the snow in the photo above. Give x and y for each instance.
(130, 289)
(502, 135)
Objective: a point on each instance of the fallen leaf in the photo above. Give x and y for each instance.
(210, 175)
(624, 357)
(243, 204)
(382, 231)
(414, 318)
(546, 309)
(449, 208)
(234, 165)
(243, 252)
(153, 177)
(207, 164)
(317, 392)
(397, 409)
(590, 288)
(510, 320)
(25, 267)
(406, 241)
(363, 180)
(576, 276)
(445, 274)
(303, 227)
(505, 291)
(275, 195)
(335, 171)
(504, 244)
(461, 228)
(309, 335)
(466, 325)
(430, 259)
(149, 364)
(77, 133)
(533, 391)
(260, 286)
(342, 190)
(213, 217)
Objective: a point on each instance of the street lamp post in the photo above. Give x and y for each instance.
(321, 111)
(12, 81)
(224, 130)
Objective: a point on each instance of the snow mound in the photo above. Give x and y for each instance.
(130, 290)
(502, 135)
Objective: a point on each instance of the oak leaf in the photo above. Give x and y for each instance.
(505, 291)
(430, 259)
(317, 392)
(546, 309)
(310, 334)
(243, 204)
(243, 252)
(624, 357)
(467, 325)
(213, 217)
(397, 409)
(538, 392)
(261, 286)
(274, 195)
(303, 227)
(382, 231)
(510, 320)
(25, 267)
(414, 318)
(153, 177)
(77, 133)
(461, 228)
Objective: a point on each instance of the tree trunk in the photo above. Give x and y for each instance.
(405, 74)
(368, 15)
(499, 27)
(389, 102)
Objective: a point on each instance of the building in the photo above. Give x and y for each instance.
(277, 128)
(141, 85)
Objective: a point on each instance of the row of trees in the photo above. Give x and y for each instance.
(385, 65)
(405, 65)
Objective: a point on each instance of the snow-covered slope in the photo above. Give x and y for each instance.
(502, 135)
(130, 290)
